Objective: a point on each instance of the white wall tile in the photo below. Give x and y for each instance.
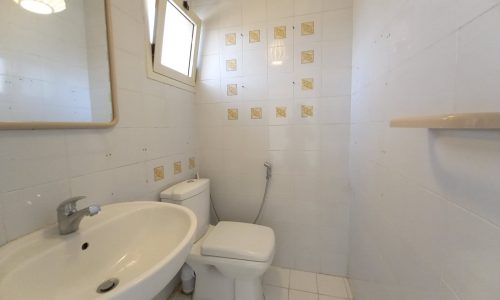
(280, 9)
(211, 66)
(33, 208)
(423, 218)
(234, 150)
(254, 11)
(26, 157)
(3, 234)
(42, 168)
(302, 7)
(472, 245)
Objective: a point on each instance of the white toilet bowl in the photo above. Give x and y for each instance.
(233, 269)
(228, 259)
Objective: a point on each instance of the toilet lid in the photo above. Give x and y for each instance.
(240, 241)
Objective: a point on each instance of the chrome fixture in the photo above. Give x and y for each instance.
(69, 218)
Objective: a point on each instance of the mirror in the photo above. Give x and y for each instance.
(55, 65)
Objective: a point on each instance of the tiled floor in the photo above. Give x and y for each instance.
(285, 284)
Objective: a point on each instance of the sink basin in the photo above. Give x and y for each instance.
(141, 244)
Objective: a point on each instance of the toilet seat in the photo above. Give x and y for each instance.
(239, 241)
(231, 267)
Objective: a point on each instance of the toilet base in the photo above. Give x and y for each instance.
(213, 285)
(248, 289)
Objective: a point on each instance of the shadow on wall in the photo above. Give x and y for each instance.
(466, 165)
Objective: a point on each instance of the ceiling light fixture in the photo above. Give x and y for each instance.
(43, 7)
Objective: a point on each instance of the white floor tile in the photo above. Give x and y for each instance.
(348, 288)
(324, 297)
(303, 281)
(299, 295)
(332, 286)
(278, 277)
(178, 295)
(275, 293)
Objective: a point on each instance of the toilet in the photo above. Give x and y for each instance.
(229, 258)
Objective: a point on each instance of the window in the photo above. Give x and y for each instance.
(174, 40)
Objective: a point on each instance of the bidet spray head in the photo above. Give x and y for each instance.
(269, 167)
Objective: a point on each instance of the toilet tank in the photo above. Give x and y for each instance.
(195, 195)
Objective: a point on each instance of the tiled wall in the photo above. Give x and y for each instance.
(425, 222)
(274, 85)
(39, 169)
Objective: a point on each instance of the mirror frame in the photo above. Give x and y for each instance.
(82, 125)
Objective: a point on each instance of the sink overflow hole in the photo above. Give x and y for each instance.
(107, 285)
(85, 246)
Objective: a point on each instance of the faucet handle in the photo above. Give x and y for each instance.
(68, 206)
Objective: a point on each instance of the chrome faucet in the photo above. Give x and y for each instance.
(69, 218)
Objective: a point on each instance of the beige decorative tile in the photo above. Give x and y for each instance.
(254, 36)
(307, 84)
(231, 65)
(177, 167)
(232, 89)
(232, 114)
(307, 111)
(192, 163)
(256, 113)
(230, 39)
(307, 28)
(159, 173)
(280, 32)
(281, 112)
(307, 57)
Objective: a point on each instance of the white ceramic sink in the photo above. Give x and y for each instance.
(143, 244)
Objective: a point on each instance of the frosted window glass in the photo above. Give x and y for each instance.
(177, 41)
(151, 12)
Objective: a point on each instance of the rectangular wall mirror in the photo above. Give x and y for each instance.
(55, 65)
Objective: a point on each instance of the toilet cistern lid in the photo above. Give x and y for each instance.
(240, 241)
(186, 189)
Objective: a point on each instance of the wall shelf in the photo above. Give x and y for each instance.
(487, 120)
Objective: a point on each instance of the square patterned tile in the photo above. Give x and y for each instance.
(254, 36)
(307, 28)
(256, 113)
(280, 32)
(230, 39)
(307, 57)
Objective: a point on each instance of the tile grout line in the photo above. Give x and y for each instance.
(317, 284)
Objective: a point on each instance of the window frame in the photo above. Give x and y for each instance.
(155, 69)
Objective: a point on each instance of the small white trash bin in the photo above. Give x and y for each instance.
(187, 279)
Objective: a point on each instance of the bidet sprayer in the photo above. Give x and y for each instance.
(269, 167)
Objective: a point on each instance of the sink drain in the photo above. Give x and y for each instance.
(107, 285)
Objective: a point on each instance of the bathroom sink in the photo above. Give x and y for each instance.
(139, 245)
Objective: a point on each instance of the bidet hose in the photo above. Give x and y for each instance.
(268, 166)
(268, 179)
